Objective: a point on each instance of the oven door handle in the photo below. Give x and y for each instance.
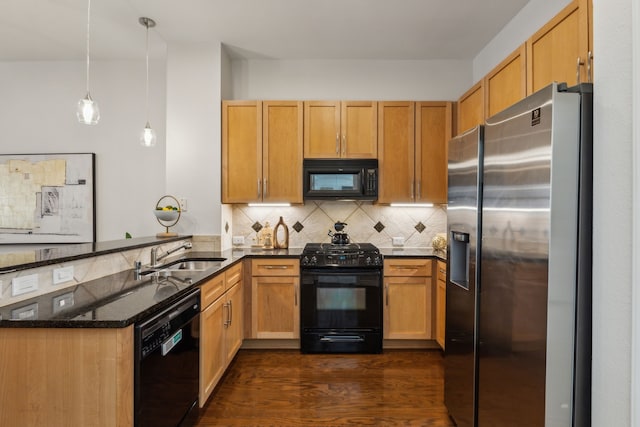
(343, 338)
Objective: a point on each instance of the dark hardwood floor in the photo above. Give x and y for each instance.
(286, 388)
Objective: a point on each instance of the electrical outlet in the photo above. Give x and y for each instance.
(397, 241)
(183, 204)
(237, 240)
(62, 302)
(25, 312)
(24, 284)
(61, 275)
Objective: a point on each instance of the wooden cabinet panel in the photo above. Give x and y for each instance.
(407, 310)
(234, 325)
(359, 129)
(441, 303)
(241, 151)
(276, 312)
(212, 290)
(396, 151)
(407, 267)
(554, 51)
(66, 377)
(433, 132)
(334, 129)
(471, 108)
(408, 298)
(212, 350)
(321, 129)
(506, 84)
(282, 145)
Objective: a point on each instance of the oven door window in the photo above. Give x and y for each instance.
(341, 301)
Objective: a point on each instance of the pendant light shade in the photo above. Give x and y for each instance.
(148, 135)
(87, 110)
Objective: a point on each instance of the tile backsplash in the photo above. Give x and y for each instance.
(366, 222)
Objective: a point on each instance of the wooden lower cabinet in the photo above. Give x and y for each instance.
(221, 329)
(407, 299)
(441, 302)
(66, 377)
(275, 307)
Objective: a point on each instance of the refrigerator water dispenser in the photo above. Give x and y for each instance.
(459, 259)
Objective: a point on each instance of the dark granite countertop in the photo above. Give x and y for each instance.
(39, 257)
(120, 299)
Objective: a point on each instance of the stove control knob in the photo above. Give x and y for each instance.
(377, 260)
(305, 260)
(368, 260)
(313, 260)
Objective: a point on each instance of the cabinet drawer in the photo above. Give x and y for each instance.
(407, 267)
(233, 275)
(211, 290)
(442, 271)
(275, 267)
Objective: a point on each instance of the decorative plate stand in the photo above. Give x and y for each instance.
(167, 218)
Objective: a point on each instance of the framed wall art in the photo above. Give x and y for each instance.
(47, 198)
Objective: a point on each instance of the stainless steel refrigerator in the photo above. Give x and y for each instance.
(531, 304)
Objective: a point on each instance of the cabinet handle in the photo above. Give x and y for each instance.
(589, 62)
(407, 267)
(295, 295)
(259, 188)
(386, 291)
(418, 190)
(337, 143)
(412, 188)
(275, 267)
(443, 271)
(226, 322)
(230, 312)
(266, 188)
(344, 144)
(579, 63)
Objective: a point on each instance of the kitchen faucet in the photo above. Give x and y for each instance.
(155, 258)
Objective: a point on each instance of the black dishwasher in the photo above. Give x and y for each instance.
(167, 365)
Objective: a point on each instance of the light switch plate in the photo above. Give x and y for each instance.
(61, 275)
(24, 284)
(237, 240)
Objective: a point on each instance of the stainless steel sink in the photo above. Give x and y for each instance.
(186, 264)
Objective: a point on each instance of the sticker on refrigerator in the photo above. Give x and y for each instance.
(535, 116)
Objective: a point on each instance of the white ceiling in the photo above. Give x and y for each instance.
(278, 29)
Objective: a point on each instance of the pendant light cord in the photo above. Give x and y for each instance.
(147, 65)
(88, 38)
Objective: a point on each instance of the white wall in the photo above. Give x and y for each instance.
(193, 134)
(613, 213)
(37, 115)
(529, 20)
(353, 80)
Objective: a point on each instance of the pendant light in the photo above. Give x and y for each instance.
(87, 110)
(148, 135)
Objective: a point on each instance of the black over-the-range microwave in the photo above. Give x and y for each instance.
(340, 179)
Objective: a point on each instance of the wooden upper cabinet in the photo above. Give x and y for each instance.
(506, 84)
(396, 152)
(560, 50)
(334, 129)
(433, 132)
(471, 108)
(241, 151)
(261, 151)
(282, 145)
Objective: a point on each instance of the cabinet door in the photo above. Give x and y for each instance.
(212, 352)
(358, 123)
(275, 309)
(441, 303)
(396, 151)
(559, 50)
(471, 108)
(407, 307)
(241, 151)
(433, 132)
(506, 84)
(321, 129)
(234, 325)
(282, 145)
